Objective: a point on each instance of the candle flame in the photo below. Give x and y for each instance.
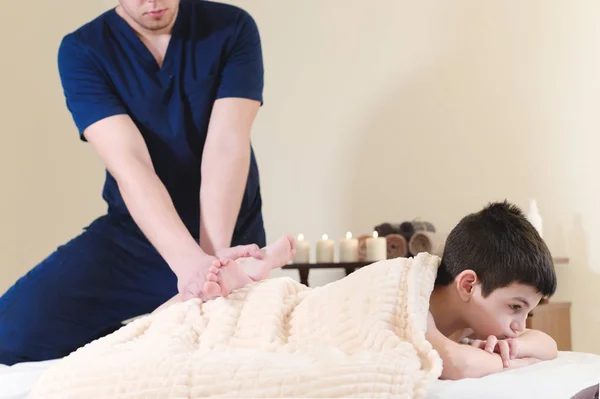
(348, 235)
(300, 237)
(325, 237)
(375, 235)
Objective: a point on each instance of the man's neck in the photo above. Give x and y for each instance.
(141, 31)
(157, 41)
(443, 306)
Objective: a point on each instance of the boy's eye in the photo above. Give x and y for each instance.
(515, 307)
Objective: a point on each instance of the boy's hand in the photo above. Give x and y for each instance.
(508, 349)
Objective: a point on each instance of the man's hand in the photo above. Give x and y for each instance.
(508, 349)
(192, 275)
(191, 278)
(121, 147)
(241, 251)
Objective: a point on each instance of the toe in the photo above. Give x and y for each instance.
(292, 242)
(212, 277)
(214, 270)
(212, 289)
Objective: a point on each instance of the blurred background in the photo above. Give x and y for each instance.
(373, 113)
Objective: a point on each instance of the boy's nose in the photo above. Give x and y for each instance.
(518, 326)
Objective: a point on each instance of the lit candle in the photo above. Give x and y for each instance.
(302, 250)
(376, 248)
(325, 249)
(349, 249)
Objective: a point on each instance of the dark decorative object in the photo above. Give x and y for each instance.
(405, 229)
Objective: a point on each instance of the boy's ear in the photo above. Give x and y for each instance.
(466, 282)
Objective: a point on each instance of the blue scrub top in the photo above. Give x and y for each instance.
(215, 52)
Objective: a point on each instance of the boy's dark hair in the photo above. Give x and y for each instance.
(502, 247)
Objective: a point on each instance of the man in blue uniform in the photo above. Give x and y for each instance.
(166, 92)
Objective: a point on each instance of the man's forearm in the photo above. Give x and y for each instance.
(537, 344)
(153, 211)
(225, 167)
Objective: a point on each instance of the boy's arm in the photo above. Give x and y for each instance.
(465, 361)
(537, 344)
(531, 343)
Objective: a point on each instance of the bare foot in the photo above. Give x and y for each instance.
(275, 256)
(223, 279)
(230, 275)
(211, 286)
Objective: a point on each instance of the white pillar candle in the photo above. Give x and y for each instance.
(349, 249)
(325, 250)
(376, 248)
(302, 250)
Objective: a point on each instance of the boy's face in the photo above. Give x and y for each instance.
(503, 313)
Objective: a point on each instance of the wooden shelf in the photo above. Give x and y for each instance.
(553, 318)
(304, 268)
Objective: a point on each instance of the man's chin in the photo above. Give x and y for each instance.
(159, 25)
(152, 24)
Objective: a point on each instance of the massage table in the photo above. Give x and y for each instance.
(572, 375)
(281, 338)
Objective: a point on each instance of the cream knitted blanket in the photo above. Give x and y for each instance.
(362, 336)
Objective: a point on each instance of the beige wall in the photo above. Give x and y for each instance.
(409, 109)
(53, 181)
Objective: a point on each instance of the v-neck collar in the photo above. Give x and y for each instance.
(176, 32)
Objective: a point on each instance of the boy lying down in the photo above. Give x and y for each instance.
(495, 269)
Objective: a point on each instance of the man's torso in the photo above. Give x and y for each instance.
(171, 104)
